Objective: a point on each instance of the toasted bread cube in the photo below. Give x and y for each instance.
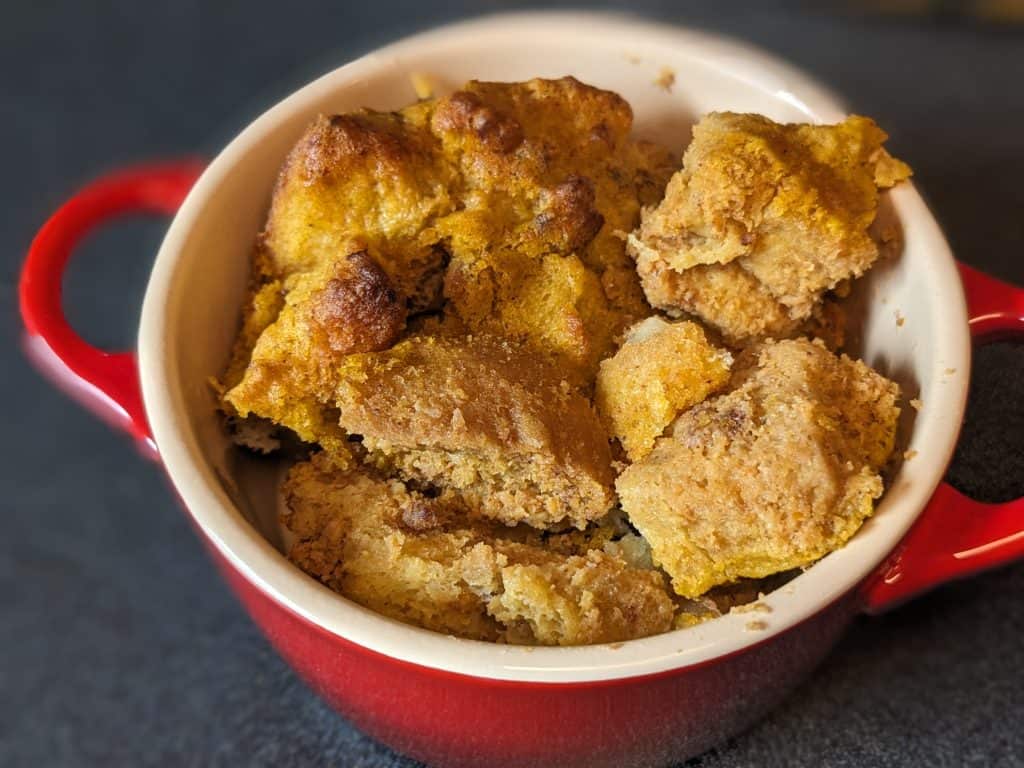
(772, 475)
(661, 370)
(485, 418)
(789, 204)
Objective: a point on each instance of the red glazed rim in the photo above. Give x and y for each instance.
(957, 536)
(105, 382)
(262, 565)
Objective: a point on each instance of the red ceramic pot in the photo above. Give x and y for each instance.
(464, 703)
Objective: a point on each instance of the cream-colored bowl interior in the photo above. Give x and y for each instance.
(192, 305)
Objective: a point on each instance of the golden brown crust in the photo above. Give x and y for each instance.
(364, 181)
(499, 202)
(661, 370)
(568, 218)
(484, 418)
(358, 309)
(336, 145)
(772, 475)
(781, 210)
(464, 113)
(420, 562)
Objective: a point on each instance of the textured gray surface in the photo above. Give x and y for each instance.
(118, 643)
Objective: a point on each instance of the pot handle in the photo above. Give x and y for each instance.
(106, 383)
(956, 536)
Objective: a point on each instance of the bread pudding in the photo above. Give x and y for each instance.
(549, 386)
(771, 474)
(762, 219)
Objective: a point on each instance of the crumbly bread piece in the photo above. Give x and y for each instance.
(789, 205)
(725, 296)
(552, 301)
(363, 181)
(584, 599)
(256, 434)
(502, 201)
(550, 178)
(485, 418)
(660, 370)
(422, 561)
(347, 306)
(771, 475)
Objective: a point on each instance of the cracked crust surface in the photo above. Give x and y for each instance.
(551, 177)
(423, 561)
(762, 219)
(772, 475)
(480, 417)
(499, 203)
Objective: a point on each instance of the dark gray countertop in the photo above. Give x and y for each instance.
(119, 645)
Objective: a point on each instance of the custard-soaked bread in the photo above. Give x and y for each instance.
(554, 302)
(363, 181)
(381, 545)
(725, 296)
(425, 562)
(590, 598)
(345, 307)
(501, 200)
(660, 370)
(485, 418)
(551, 178)
(771, 475)
(789, 204)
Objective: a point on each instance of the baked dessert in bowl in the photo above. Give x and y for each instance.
(510, 442)
(455, 701)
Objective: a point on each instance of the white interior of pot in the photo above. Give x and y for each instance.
(193, 303)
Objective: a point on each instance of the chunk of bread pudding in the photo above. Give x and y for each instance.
(771, 475)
